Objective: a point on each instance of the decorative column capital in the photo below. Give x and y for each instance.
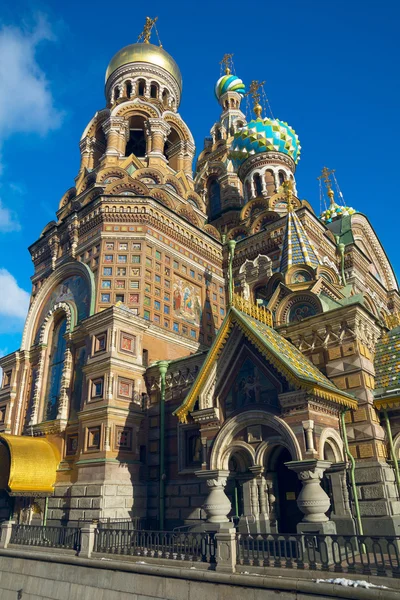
(118, 125)
(158, 126)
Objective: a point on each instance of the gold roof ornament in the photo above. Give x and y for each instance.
(146, 52)
(146, 33)
(326, 178)
(28, 465)
(226, 62)
(254, 93)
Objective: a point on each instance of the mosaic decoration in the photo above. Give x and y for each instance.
(300, 311)
(297, 248)
(335, 212)
(301, 277)
(229, 83)
(250, 386)
(186, 301)
(264, 135)
(74, 290)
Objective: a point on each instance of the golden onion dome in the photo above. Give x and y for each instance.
(146, 53)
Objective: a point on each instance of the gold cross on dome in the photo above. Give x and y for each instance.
(227, 63)
(146, 33)
(326, 177)
(254, 93)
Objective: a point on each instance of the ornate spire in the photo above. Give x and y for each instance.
(254, 93)
(297, 248)
(326, 178)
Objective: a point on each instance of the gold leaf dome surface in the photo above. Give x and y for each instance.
(147, 53)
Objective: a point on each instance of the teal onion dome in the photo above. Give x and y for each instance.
(229, 83)
(335, 212)
(264, 135)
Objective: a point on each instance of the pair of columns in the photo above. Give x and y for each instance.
(312, 500)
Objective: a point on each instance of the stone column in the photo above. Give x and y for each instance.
(217, 504)
(116, 130)
(312, 500)
(63, 403)
(158, 131)
(5, 533)
(308, 427)
(86, 147)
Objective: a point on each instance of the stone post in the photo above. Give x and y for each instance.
(226, 551)
(312, 500)
(5, 533)
(217, 504)
(87, 540)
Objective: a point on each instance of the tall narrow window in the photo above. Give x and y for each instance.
(281, 178)
(214, 196)
(56, 363)
(141, 87)
(128, 89)
(257, 184)
(136, 144)
(153, 90)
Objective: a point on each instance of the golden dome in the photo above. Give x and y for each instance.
(147, 53)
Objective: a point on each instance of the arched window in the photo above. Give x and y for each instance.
(116, 93)
(257, 184)
(128, 89)
(137, 140)
(218, 135)
(214, 197)
(270, 182)
(56, 363)
(248, 190)
(153, 90)
(165, 96)
(281, 177)
(141, 87)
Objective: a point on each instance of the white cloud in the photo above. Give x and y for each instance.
(8, 220)
(14, 301)
(26, 102)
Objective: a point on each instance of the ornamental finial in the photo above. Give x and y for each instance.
(226, 62)
(146, 33)
(254, 93)
(288, 193)
(326, 177)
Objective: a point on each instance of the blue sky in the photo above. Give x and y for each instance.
(330, 69)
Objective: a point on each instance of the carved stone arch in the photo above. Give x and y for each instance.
(213, 231)
(370, 304)
(246, 211)
(196, 198)
(266, 448)
(67, 197)
(137, 187)
(70, 315)
(136, 107)
(306, 269)
(175, 184)
(238, 231)
(331, 437)
(239, 448)
(189, 215)
(367, 234)
(263, 220)
(225, 436)
(96, 122)
(328, 273)
(297, 298)
(66, 270)
(87, 181)
(110, 172)
(280, 197)
(164, 198)
(151, 172)
(180, 126)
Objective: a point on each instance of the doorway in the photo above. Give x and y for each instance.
(288, 488)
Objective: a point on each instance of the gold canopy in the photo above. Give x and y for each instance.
(147, 53)
(28, 465)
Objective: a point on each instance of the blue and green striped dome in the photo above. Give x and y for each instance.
(264, 135)
(229, 83)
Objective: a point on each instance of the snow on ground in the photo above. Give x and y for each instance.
(351, 583)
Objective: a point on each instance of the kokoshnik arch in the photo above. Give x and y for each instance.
(197, 340)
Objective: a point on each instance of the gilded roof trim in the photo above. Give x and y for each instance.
(324, 391)
(391, 402)
(32, 464)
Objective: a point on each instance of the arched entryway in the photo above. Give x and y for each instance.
(286, 488)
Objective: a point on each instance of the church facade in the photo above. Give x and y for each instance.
(200, 345)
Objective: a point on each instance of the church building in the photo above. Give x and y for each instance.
(201, 347)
